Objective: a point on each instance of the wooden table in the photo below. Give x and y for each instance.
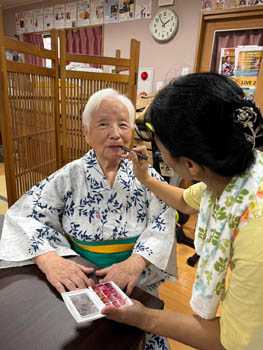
(34, 317)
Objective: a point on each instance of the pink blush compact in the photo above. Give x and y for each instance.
(109, 295)
(86, 304)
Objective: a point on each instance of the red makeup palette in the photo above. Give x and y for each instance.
(86, 304)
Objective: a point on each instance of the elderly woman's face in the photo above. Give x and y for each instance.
(109, 129)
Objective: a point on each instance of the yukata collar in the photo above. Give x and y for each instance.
(95, 175)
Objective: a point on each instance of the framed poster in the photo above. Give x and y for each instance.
(248, 60)
(227, 61)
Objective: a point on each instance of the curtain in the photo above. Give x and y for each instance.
(34, 39)
(225, 39)
(85, 41)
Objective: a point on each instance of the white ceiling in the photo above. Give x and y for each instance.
(6, 4)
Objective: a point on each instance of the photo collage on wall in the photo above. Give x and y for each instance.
(242, 65)
(223, 4)
(81, 13)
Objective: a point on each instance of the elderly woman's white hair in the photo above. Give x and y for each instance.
(106, 94)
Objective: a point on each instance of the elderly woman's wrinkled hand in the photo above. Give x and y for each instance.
(63, 273)
(134, 315)
(124, 274)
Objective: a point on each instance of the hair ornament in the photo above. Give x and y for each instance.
(247, 117)
(149, 126)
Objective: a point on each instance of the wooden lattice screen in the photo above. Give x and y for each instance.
(41, 112)
(29, 117)
(77, 87)
(32, 109)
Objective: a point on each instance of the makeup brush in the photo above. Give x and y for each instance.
(139, 154)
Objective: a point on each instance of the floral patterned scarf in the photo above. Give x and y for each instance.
(214, 236)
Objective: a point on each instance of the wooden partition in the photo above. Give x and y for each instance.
(77, 87)
(41, 108)
(29, 118)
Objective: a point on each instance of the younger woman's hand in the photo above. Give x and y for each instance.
(140, 166)
(134, 315)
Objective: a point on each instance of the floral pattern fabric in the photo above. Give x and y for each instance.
(254, 210)
(78, 200)
(156, 342)
(218, 223)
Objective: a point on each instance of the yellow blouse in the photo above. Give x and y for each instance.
(241, 320)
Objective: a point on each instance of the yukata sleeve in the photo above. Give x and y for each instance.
(33, 225)
(156, 241)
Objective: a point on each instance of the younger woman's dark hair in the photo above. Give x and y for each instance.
(193, 116)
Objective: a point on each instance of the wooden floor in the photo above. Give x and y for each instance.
(176, 295)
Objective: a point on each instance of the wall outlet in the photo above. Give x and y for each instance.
(159, 85)
(185, 71)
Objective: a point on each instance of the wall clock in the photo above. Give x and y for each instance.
(164, 25)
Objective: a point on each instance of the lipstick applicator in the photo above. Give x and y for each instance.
(139, 154)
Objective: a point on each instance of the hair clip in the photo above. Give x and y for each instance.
(246, 116)
(149, 126)
(248, 98)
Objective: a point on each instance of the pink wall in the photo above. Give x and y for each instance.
(167, 59)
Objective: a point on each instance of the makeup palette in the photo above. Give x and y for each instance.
(86, 304)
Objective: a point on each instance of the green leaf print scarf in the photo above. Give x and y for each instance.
(214, 236)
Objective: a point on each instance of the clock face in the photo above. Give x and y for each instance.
(164, 25)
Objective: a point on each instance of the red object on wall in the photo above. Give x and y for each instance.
(144, 75)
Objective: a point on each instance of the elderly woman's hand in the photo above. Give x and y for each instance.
(63, 273)
(126, 273)
(134, 315)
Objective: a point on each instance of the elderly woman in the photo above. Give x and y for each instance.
(208, 131)
(95, 207)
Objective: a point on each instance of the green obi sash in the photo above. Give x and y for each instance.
(103, 253)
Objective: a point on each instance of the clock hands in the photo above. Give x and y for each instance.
(161, 20)
(164, 23)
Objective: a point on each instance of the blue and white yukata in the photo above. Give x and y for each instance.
(78, 201)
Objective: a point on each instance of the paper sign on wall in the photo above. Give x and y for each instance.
(48, 18)
(83, 13)
(59, 16)
(71, 15)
